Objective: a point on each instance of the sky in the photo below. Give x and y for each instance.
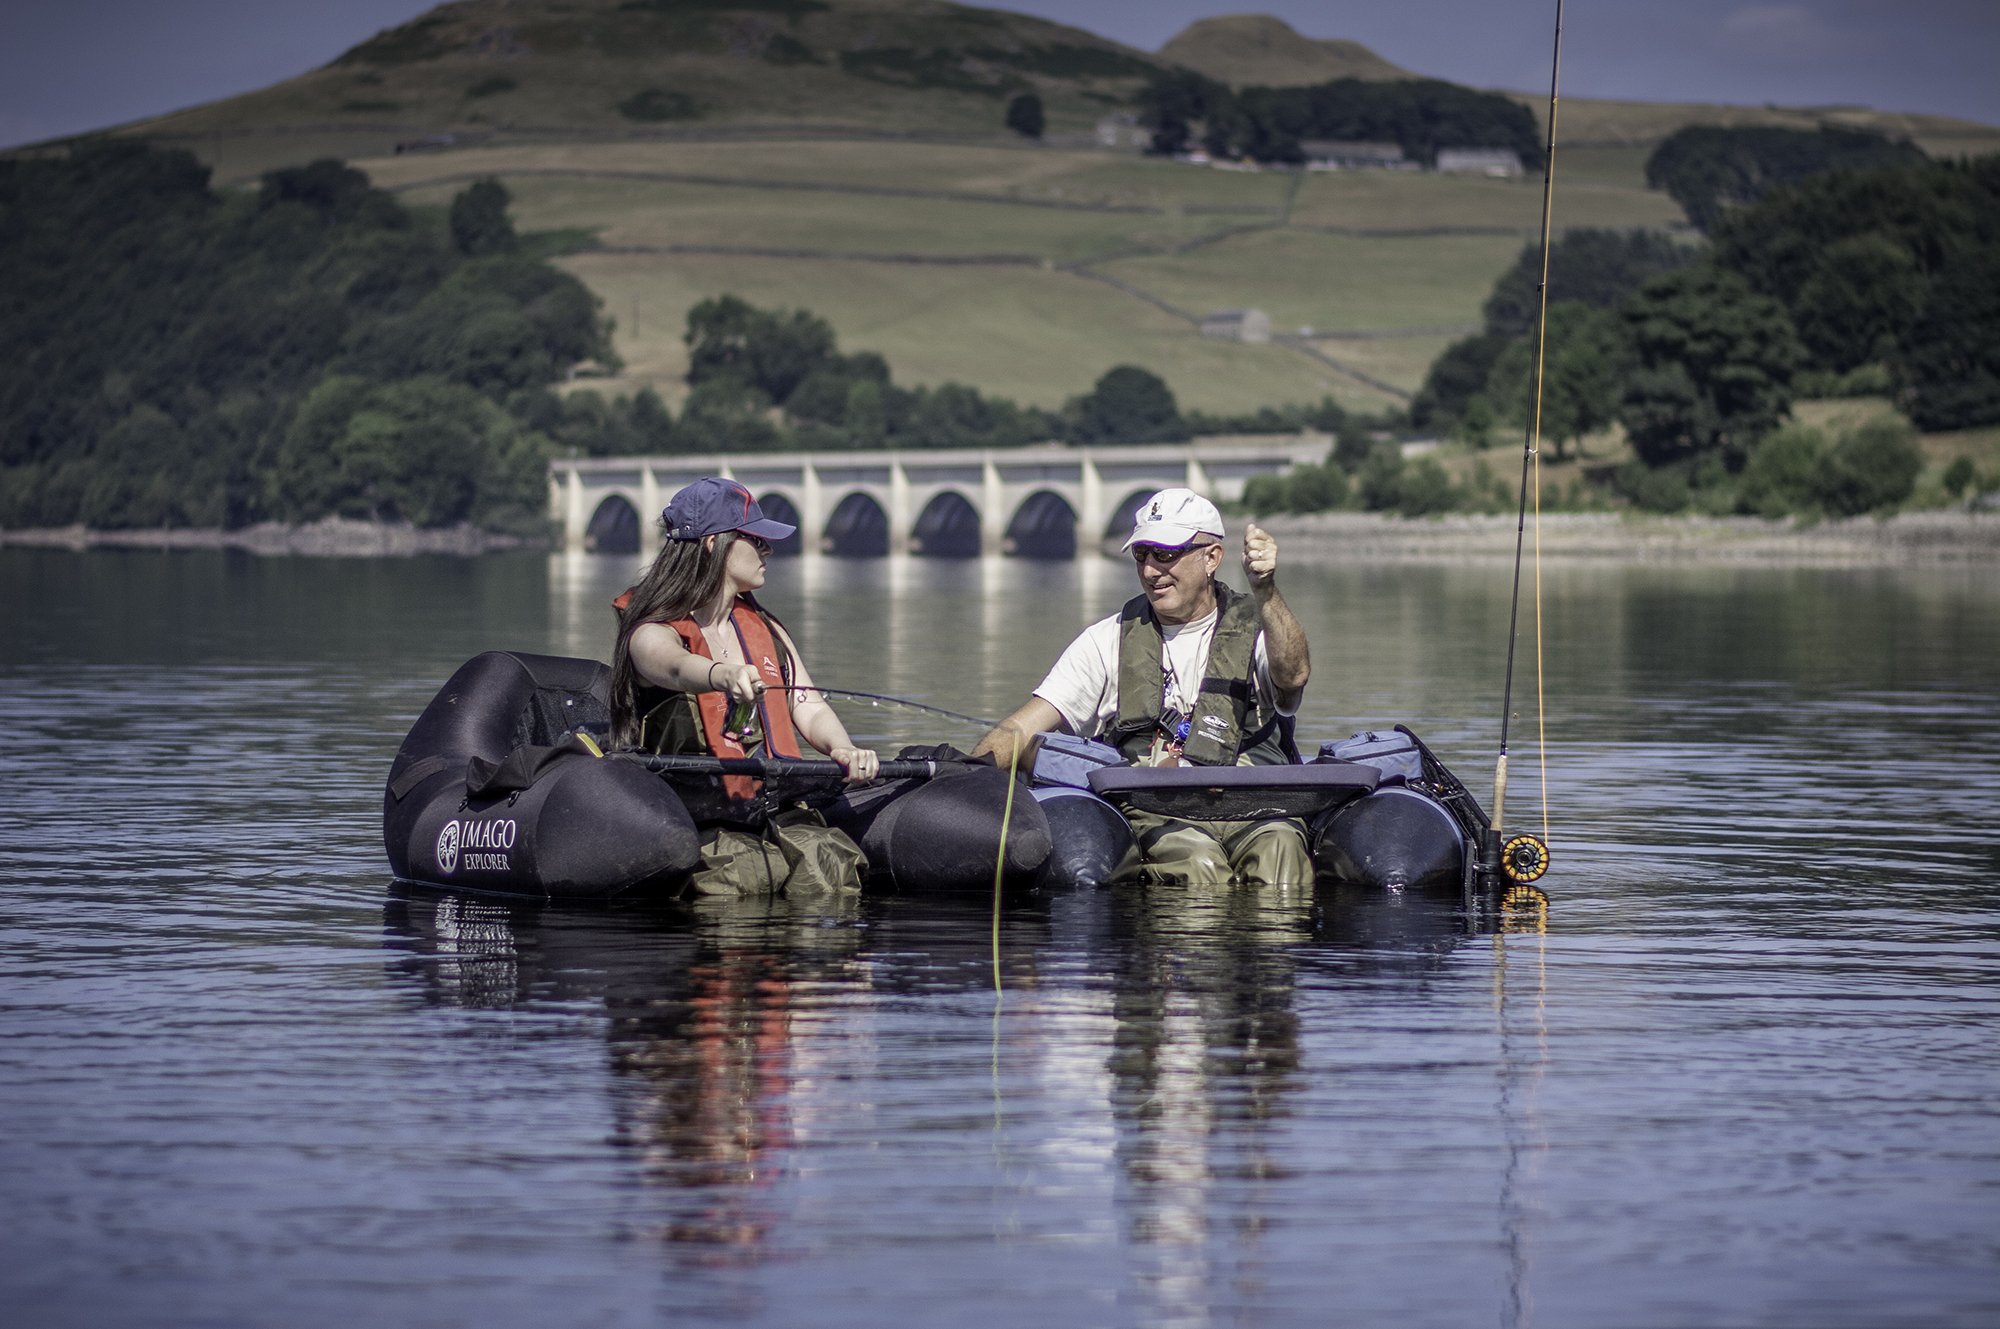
(76, 65)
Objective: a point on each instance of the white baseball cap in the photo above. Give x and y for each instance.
(1172, 518)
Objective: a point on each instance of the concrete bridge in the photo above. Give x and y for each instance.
(1037, 502)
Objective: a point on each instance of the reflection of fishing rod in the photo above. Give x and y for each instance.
(898, 701)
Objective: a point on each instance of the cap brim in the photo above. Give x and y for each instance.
(1166, 536)
(766, 529)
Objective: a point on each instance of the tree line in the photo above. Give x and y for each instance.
(173, 356)
(1184, 109)
(1881, 281)
(1709, 169)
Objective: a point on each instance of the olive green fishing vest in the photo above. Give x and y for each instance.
(1230, 726)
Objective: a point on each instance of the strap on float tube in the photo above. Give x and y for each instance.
(1530, 464)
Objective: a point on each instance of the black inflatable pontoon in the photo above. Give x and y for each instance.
(500, 788)
(573, 827)
(494, 791)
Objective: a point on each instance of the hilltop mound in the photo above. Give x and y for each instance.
(1256, 50)
(633, 66)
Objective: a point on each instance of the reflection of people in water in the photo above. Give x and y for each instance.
(732, 1029)
(714, 1111)
(700, 1029)
(1205, 1051)
(706, 1064)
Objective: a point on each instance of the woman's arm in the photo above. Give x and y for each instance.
(819, 725)
(664, 661)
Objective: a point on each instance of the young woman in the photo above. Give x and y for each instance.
(700, 666)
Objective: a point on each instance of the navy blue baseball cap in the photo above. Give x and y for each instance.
(712, 505)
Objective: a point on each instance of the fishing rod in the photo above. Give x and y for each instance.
(883, 696)
(767, 768)
(1526, 857)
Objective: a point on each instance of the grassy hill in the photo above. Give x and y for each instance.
(619, 66)
(848, 157)
(1246, 50)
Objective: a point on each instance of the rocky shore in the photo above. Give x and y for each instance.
(1908, 538)
(334, 537)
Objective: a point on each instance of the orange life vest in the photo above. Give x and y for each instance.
(762, 649)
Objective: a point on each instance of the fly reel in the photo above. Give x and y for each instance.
(1524, 858)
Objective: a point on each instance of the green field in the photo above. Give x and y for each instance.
(644, 213)
(1402, 361)
(1332, 282)
(1382, 200)
(1600, 123)
(1041, 328)
(1036, 336)
(1000, 171)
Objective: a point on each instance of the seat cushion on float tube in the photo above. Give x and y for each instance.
(1234, 793)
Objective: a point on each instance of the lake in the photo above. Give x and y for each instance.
(1745, 1075)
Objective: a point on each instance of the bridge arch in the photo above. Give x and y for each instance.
(948, 527)
(613, 528)
(1043, 527)
(857, 528)
(1127, 508)
(779, 508)
(874, 501)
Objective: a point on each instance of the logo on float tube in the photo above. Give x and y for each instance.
(447, 848)
(483, 845)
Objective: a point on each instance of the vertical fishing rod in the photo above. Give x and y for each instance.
(1530, 464)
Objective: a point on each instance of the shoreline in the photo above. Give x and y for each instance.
(330, 537)
(1936, 537)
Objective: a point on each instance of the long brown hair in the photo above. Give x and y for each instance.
(686, 576)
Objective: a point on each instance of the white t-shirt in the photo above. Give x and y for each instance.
(1083, 685)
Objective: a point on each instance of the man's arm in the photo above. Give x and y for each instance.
(1010, 736)
(1284, 639)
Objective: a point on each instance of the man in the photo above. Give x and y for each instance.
(1189, 672)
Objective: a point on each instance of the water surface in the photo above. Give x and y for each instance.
(1745, 1077)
